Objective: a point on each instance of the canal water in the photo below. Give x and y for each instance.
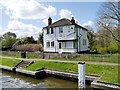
(11, 80)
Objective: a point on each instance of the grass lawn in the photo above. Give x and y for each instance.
(7, 55)
(111, 58)
(9, 62)
(108, 73)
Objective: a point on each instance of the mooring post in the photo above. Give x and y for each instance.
(81, 76)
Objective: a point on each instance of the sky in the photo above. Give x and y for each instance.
(28, 17)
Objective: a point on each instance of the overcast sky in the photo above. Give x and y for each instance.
(28, 17)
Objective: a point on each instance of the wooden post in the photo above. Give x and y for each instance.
(81, 76)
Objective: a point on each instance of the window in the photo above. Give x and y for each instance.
(48, 44)
(60, 29)
(52, 44)
(69, 44)
(84, 41)
(48, 31)
(63, 44)
(52, 31)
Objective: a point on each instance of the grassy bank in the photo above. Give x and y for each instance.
(110, 58)
(9, 62)
(107, 73)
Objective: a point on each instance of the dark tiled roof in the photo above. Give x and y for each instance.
(63, 22)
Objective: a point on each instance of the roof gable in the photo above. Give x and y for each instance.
(63, 22)
(60, 22)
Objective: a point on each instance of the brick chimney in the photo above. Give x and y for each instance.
(49, 21)
(72, 20)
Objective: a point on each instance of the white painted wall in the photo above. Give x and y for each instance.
(72, 50)
(68, 34)
(83, 36)
(49, 38)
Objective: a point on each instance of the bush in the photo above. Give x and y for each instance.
(101, 50)
(112, 48)
(29, 47)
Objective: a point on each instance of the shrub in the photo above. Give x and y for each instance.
(112, 48)
(101, 50)
(29, 47)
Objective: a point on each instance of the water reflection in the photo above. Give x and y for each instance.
(10, 80)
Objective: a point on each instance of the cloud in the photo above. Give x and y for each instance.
(64, 13)
(27, 9)
(88, 23)
(22, 29)
(1, 30)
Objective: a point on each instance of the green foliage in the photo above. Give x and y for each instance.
(40, 38)
(8, 39)
(112, 48)
(28, 40)
(101, 50)
(8, 42)
(9, 34)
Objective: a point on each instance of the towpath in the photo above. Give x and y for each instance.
(68, 61)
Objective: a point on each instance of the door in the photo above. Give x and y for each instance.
(60, 45)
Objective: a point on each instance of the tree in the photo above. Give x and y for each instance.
(109, 19)
(8, 40)
(107, 37)
(91, 37)
(9, 34)
(1, 38)
(40, 38)
(28, 40)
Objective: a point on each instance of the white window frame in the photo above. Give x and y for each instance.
(48, 31)
(52, 44)
(48, 45)
(52, 30)
(60, 29)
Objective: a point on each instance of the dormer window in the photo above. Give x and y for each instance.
(60, 29)
(48, 31)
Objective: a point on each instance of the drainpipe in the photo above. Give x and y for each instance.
(55, 43)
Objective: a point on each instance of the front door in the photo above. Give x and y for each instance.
(60, 45)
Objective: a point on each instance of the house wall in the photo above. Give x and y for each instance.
(83, 35)
(68, 34)
(72, 50)
(49, 38)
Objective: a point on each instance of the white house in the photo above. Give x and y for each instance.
(65, 35)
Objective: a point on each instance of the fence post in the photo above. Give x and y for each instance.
(81, 76)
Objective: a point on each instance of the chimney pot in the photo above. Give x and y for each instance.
(72, 20)
(49, 21)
